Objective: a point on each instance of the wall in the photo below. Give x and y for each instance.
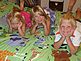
(45, 3)
(65, 5)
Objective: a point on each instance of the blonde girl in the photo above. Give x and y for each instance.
(39, 17)
(16, 22)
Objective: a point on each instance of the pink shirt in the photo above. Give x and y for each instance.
(27, 18)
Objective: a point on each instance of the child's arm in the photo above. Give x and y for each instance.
(73, 48)
(59, 43)
(9, 23)
(21, 29)
(59, 39)
(34, 28)
(46, 26)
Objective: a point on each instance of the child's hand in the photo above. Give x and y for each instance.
(43, 22)
(71, 33)
(20, 24)
(10, 31)
(36, 24)
(62, 33)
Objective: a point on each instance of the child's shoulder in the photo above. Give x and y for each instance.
(77, 33)
(57, 33)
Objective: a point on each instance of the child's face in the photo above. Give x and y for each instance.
(14, 23)
(39, 18)
(66, 27)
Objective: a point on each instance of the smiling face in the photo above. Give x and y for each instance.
(38, 14)
(67, 24)
(38, 18)
(14, 23)
(15, 20)
(66, 27)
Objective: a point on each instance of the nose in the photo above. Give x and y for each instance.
(65, 29)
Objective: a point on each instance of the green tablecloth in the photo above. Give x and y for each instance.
(45, 53)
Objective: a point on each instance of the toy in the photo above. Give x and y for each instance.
(61, 55)
(4, 54)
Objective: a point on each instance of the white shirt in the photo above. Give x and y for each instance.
(75, 40)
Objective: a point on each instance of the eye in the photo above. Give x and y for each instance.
(62, 26)
(68, 27)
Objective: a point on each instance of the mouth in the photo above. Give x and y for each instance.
(65, 33)
(39, 21)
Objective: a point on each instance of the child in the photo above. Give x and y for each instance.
(19, 20)
(39, 17)
(16, 22)
(67, 33)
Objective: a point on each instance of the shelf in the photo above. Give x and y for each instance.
(56, 5)
(57, 0)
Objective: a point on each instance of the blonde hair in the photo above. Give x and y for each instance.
(38, 9)
(15, 16)
(68, 17)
